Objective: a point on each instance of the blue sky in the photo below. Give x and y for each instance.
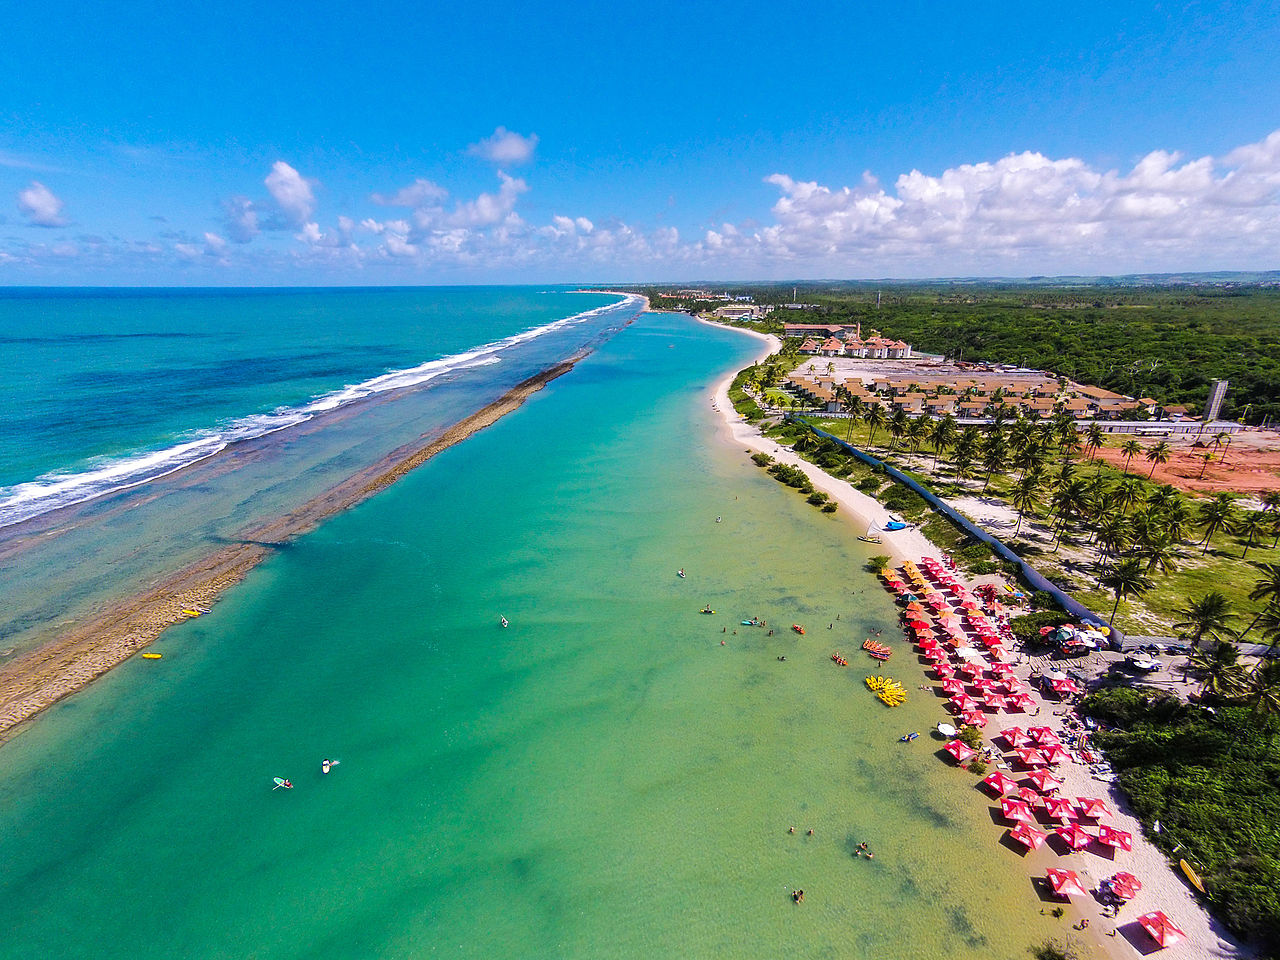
(411, 143)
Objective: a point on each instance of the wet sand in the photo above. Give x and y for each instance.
(88, 649)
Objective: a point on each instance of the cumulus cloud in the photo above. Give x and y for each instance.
(241, 219)
(1026, 213)
(40, 206)
(291, 192)
(505, 147)
(420, 193)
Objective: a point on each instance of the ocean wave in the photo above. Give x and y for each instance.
(52, 491)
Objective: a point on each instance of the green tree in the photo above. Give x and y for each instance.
(898, 424)
(1220, 671)
(875, 419)
(1207, 616)
(1158, 455)
(1255, 523)
(1126, 579)
(1093, 439)
(1130, 448)
(1217, 514)
(1026, 493)
(941, 437)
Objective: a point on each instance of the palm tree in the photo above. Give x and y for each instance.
(1024, 497)
(1253, 524)
(1130, 448)
(1130, 493)
(1211, 615)
(1207, 457)
(875, 419)
(1267, 590)
(1069, 445)
(995, 456)
(1219, 669)
(1093, 439)
(1126, 579)
(1217, 514)
(917, 433)
(941, 437)
(1158, 455)
(854, 406)
(1263, 695)
(897, 426)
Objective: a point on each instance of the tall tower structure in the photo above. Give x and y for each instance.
(1217, 391)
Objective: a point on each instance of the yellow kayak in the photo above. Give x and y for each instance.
(192, 613)
(1192, 876)
(152, 656)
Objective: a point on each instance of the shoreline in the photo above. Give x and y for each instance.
(77, 656)
(1163, 887)
(861, 509)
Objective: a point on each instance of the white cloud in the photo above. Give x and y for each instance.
(241, 219)
(1026, 213)
(505, 147)
(489, 208)
(40, 206)
(291, 192)
(420, 193)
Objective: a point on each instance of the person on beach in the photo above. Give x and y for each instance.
(791, 830)
(504, 621)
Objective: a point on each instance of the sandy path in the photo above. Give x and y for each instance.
(1163, 888)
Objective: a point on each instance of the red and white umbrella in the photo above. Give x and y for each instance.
(1014, 685)
(1161, 928)
(1021, 700)
(1092, 807)
(983, 683)
(1014, 808)
(1075, 836)
(1112, 837)
(934, 655)
(1063, 687)
(1057, 808)
(1035, 733)
(1030, 757)
(960, 751)
(1125, 886)
(1044, 736)
(1001, 782)
(1044, 781)
(992, 700)
(953, 685)
(1014, 736)
(943, 670)
(1029, 795)
(974, 718)
(962, 702)
(1054, 753)
(1065, 883)
(1028, 836)
(971, 669)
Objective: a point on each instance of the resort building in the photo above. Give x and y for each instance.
(741, 311)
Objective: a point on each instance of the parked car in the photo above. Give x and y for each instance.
(1141, 664)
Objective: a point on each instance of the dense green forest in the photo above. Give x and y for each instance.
(1212, 779)
(1166, 341)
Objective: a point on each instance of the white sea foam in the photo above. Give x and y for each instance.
(54, 490)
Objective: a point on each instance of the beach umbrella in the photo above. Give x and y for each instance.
(1029, 795)
(1125, 886)
(1014, 736)
(1035, 733)
(1063, 687)
(996, 651)
(1014, 808)
(992, 700)
(920, 625)
(1065, 882)
(953, 685)
(1044, 781)
(934, 656)
(1161, 928)
(1022, 700)
(1030, 757)
(1028, 836)
(1055, 754)
(962, 702)
(1092, 807)
(972, 655)
(1057, 808)
(1014, 685)
(974, 718)
(1115, 838)
(983, 683)
(960, 751)
(1000, 782)
(971, 669)
(1075, 836)
(943, 670)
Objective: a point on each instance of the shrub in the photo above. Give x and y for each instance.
(877, 563)
(817, 499)
(970, 736)
(1043, 600)
(829, 507)
(978, 765)
(762, 459)
(869, 484)
(1026, 628)
(974, 552)
(1052, 950)
(983, 567)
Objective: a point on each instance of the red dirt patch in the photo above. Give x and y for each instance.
(1252, 464)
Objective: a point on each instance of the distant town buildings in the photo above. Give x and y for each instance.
(742, 311)
(845, 340)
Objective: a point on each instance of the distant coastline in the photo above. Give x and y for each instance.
(79, 655)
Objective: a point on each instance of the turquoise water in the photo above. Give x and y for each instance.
(603, 779)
